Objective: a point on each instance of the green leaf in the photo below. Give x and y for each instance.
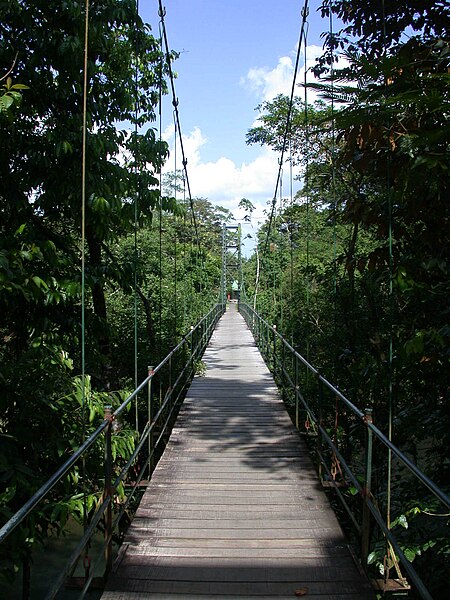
(416, 344)
(410, 553)
(6, 102)
(40, 283)
(401, 520)
(8, 494)
(101, 205)
(21, 229)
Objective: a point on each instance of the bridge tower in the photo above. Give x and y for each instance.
(231, 282)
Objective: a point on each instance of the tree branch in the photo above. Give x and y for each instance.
(11, 68)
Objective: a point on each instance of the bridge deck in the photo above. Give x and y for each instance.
(234, 508)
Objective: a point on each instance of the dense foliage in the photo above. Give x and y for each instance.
(44, 411)
(357, 268)
(356, 271)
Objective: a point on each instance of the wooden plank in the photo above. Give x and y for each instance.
(243, 589)
(203, 570)
(118, 595)
(293, 524)
(234, 508)
(274, 554)
(228, 500)
(215, 512)
(152, 532)
(278, 543)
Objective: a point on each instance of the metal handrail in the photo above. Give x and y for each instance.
(195, 341)
(268, 339)
(46, 488)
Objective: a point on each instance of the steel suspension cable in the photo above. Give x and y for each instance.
(291, 242)
(175, 103)
(333, 189)
(280, 257)
(175, 235)
(336, 466)
(160, 194)
(274, 273)
(136, 211)
(306, 178)
(83, 262)
(184, 249)
(83, 215)
(305, 12)
(389, 551)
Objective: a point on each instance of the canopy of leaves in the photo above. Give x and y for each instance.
(42, 52)
(360, 261)
(374, 27)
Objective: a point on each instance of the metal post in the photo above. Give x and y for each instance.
(169, 390)
(320, 417)
(296, 391)
(192, 349)
(108, 491)
(263, 339)
(203, 339)
(274, 349)
(223, 281)
(365, 525)
(261, 335)
(150, 418)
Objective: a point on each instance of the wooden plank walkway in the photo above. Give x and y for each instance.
(234, 509)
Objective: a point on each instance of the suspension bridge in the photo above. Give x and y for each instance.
(228, 487)
(234, 507)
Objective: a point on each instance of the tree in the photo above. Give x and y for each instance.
(40, 208)
(388, 175)
(376, 27)
(394, 131)
(177, 282)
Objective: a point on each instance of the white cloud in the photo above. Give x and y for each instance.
(191, 143)
(266, 83)
(168, 132)
(222, 179)
(226, 180)
(225, 183)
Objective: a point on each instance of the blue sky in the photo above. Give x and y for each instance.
(233, 55)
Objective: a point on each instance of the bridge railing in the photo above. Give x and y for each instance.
(160, 392)
(309, 394)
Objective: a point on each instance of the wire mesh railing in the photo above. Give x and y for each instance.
(350, 451)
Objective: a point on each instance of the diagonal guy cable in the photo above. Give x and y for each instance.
(162, 13)
(305, 12)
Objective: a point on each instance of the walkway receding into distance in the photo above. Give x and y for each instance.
(234, 508)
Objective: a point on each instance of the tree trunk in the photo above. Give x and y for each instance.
(99, 303)
(26, 576)
(148, 318)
